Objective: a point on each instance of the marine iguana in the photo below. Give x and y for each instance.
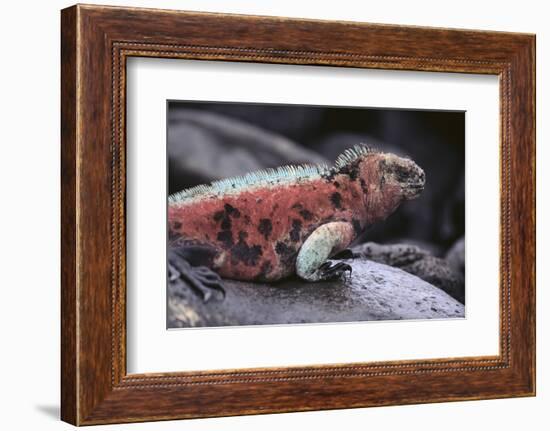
(268, 225)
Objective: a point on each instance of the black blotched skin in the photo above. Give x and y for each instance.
(336, 199)
(265, 227)
(296, 230)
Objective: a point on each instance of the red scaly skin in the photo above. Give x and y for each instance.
(256, 233)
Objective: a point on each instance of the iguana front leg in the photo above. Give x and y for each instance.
(324, 242)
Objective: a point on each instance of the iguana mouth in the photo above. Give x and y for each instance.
(413, 191)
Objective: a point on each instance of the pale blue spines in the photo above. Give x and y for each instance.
(265, 177)
(352, 154)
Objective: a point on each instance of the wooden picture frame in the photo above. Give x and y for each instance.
(95, 43)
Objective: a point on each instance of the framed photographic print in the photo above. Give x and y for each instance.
(264, 214)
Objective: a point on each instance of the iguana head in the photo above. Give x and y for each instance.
(381, 172)
(386, 181)
(395, 171)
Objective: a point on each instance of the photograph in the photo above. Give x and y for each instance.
(295, 214)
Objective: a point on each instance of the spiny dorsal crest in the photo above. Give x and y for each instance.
(270, 176)
(264, 177)
(352, 154)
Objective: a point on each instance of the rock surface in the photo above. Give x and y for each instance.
(456, 256)
(416, 261)
(373, 292)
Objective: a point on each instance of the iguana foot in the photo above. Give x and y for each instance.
(330, 271)
(201, 279)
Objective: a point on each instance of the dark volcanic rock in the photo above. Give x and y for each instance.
(373, 292)
(415, 260)
(456, 255)
(429, 247)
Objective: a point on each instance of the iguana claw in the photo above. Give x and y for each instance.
(200, 278)
(331, 271)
